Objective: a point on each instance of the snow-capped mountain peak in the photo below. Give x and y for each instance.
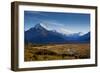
(39, 25)
(51, 27)
(60, 30)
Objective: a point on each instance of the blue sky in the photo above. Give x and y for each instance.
(71, 22)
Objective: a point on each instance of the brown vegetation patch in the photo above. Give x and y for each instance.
(41, 52)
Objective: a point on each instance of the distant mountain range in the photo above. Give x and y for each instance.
(39, 34)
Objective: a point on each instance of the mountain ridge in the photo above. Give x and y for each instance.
(39, 34)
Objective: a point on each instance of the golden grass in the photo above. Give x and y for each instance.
(41, 52)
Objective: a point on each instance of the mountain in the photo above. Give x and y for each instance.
(39, 34)
(85, 38)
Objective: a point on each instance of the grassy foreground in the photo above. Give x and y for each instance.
(43, 52)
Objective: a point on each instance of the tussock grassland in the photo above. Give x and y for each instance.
(43, 52)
